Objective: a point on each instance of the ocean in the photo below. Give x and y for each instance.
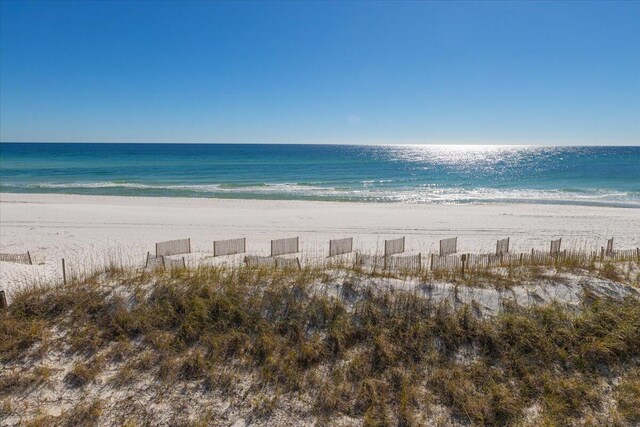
(607, 176)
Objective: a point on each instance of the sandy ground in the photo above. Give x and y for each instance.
(92, 230)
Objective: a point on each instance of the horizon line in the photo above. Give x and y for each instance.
(520, 144)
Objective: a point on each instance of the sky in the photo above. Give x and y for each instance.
(326, 72)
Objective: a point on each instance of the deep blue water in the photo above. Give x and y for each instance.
(409, 174)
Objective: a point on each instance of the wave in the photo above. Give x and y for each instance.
(362, 192)
(219, 187)
(110, 184)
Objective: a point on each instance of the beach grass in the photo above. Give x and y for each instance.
(275, 343)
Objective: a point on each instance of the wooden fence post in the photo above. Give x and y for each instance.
(602, 253)
(29, 256)
(64, 273)
(431, 266)
(419, 261)
(3, 301)
(464, 261)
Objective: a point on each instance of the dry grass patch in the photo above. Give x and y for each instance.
(628, 397)
(83, 414)
(83, 373)
(17, 381)
(378, 356)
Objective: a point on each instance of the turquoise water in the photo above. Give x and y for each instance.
(409, 174)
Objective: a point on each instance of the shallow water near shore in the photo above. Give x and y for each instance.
(607, 176)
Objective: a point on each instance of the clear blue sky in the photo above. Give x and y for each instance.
(332, 72)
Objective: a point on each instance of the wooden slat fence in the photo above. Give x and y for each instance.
(230, 246)
(173, 247)
(542, 257)
(502, 246)
(555, 246)
(447, 262)
(264, 261)
(476, 261)
(17, 258)
(394, 246)
(340, 246)
(373, 262)
(448, 246)
(160, 263)
(404, 263)
(581, 256)
(512, 259)
(609, 246)
(285, 246)
(538, 257)
(535, 257)
(624, 255)
(154, 263)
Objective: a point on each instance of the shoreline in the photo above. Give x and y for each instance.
(4, 196)
(453, 202)
(91, 229)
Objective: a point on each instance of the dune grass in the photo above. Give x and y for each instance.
(379, 357)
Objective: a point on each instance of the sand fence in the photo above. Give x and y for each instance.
(276, 262)
(340, 246)
(173, 247)
(502, 247)
(404, 263)
(285, 246)
(394, 259)
(164, 262)
(279, 247)
(17, 258)
(394, 246)
(154, 262)
(448, 246)
(371, 262)
(229, 247)
(445, 262)
(609, 246)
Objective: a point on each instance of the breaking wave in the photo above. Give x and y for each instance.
(365, 191)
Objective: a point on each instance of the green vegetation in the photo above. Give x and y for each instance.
(379, 357)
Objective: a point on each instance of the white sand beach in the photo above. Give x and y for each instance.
(92, 230)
